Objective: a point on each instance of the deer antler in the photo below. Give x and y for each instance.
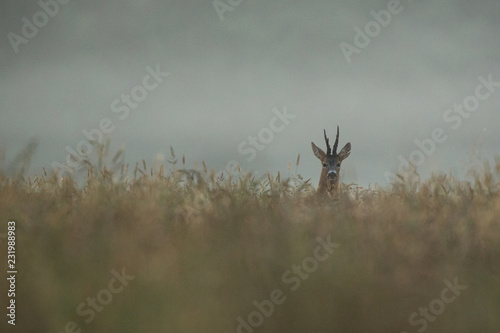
(328, 149)
(336, 142)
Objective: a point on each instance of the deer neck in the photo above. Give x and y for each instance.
(326, 186)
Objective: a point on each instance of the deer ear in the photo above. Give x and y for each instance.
(344, 153)
(318, 152)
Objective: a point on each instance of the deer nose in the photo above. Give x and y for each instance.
(332, 174)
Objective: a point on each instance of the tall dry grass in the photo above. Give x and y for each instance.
(203, 249)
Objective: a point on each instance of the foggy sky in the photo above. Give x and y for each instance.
(227, 76)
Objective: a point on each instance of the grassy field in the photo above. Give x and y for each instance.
(186, 251)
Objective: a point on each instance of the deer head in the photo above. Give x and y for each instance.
(331, 161)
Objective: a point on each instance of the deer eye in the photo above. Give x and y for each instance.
(338, 164)
(324, 165)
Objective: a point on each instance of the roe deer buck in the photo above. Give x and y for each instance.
(330, 174)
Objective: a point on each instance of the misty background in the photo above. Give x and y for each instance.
(226, 76)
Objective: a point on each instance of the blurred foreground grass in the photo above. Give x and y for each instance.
(202, 250)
